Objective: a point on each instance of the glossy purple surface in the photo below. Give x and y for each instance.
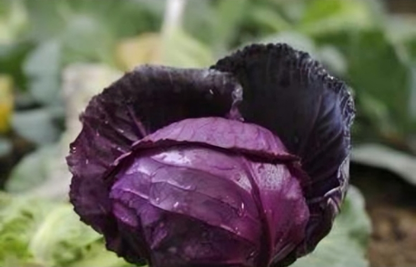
(256, 208)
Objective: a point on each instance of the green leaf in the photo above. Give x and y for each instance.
(86, 39)
(12, 57)
(374, 115)
(345, 246)
(322, 16)
(33, 169)
(401, 28)
(19, 218)
(383, 157)
(61, 245)
(332, 58)
(44, 60)
(410, 45)
(13, 20)
(292, 10)
(181, 50)
(199, 15)
(84, 29)
(229, 16)
(36, 232)
(97, 255)
(45, 20)
(43, 69)
(376, 69)
(266, 17)
(36, 126)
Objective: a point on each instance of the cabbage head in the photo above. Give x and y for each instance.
(244, 164)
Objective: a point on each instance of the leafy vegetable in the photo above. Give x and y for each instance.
(244, 164)
(223, 191)
(36, 232)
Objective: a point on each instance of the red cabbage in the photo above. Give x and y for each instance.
(240, 196)
(244, 164)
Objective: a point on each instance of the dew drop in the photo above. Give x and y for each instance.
(241, 210)
(251, 255)
(190, 187)
(176, 205)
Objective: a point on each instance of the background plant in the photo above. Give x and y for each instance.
(54, 55)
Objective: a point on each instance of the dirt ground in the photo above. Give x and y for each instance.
(391, 204)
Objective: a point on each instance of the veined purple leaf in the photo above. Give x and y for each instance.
(292, 95)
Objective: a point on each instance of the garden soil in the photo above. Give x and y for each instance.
(391, 204)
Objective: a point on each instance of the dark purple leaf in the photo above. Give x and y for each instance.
(292, 95)
(139, 103)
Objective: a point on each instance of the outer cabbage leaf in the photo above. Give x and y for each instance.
(287, 92)
(141, 102)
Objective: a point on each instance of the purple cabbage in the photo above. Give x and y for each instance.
(243, 164)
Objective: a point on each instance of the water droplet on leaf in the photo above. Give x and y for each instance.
(176, 205)
(242, 209)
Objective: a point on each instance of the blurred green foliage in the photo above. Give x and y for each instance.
(357, 40)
